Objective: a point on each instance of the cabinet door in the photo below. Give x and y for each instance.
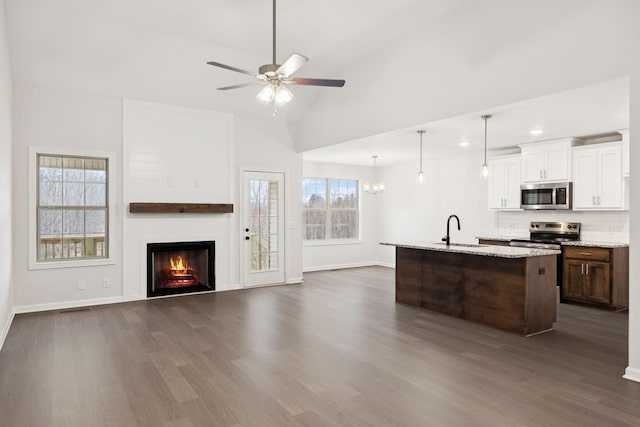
(512, 184)
(598, 284)
(496, 185)
(584, 179)
(557, 164)
(572, 283)
(610, 178)
(533, 163)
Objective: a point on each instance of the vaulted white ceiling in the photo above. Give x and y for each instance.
(407, 63)
(157, 49)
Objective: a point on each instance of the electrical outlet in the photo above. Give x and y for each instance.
(82, 285)
(105, 282)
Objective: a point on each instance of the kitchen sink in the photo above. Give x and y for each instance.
(463, 245)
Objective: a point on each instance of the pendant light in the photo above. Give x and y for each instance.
(420, 173)
(376, 187)
(485, 166)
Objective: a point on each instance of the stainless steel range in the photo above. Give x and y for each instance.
(550, 235)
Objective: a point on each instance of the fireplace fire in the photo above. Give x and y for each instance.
(180, 267)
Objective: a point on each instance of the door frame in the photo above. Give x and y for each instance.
(243, 261)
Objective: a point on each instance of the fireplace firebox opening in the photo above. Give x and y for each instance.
(180, 267)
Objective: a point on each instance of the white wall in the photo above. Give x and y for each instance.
(340, 255)
(175, 155)
(169, 154)
(413, 211)
(633, 370)
(265, 145)
(6, 221)
(52, 118)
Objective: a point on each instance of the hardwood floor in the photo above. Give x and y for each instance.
(336, 350)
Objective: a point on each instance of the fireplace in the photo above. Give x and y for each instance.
(180, 267)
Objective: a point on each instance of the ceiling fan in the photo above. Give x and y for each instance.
(276, 77)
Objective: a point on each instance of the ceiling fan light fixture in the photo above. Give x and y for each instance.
(267, 94)
(282, 96)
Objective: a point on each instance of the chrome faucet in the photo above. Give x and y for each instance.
(446, 238)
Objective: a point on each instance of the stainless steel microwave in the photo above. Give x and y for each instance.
(550, 195)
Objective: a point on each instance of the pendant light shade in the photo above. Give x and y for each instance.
(420, 173)
(485, 166)
(375, 187)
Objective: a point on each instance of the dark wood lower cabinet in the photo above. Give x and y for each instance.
(515, 294)
(598, 276)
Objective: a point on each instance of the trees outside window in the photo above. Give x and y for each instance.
(330, 209)
(72, 207)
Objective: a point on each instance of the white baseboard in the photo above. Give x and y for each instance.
(295, 280)
(387, 264)
(632, 374)
(66, 304)
(339, 266)
(232, 287)
(5, 330)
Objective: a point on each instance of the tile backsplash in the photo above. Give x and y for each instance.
(594, 226)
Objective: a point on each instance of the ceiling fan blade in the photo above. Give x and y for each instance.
(259, 82)
(292, 64)
(314, 82)
(230, 68)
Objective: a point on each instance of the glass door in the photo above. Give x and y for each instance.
(263, 228)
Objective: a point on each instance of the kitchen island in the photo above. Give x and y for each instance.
(505, 287)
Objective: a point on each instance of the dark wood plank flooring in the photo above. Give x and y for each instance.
(336, 350)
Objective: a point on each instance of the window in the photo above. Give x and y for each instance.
(330, 209)
(70, 193)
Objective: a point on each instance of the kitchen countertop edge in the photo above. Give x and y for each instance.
(588, 243)
(485, 250)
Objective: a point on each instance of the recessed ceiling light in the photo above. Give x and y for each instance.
(535, 132)
(464, 143)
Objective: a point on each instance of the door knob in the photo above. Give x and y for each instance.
(246, 229)
(247, 238)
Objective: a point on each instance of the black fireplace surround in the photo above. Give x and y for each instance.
(180, 267)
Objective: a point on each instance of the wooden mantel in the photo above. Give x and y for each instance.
(160, 208)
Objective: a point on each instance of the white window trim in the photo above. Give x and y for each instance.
(335, 242)
(34, 264)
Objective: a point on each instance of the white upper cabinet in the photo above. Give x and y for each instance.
(597, 177)
(547, 161)
(625, 151)
(504, 183)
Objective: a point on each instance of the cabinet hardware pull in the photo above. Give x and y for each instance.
(594, 201)
(581, 268)
(598, 200)
(587, 269)
(585, 253)
(540, 173)
(545, 174)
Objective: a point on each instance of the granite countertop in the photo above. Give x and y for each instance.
(501, 238)
(609, 245)
(597, 244)
(473, 249)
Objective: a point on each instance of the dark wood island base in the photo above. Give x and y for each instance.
(514, 294)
